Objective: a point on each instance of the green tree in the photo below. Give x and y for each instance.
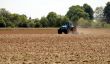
(37, 23)
(64, 20)
(52, 18)
(107, 12)
(89, 10)
(44, 22)
(14, 20)
(23, 21)
(75, 13)
(36, 20)
(4, 13)
(61, 20)
(84, 23)
(23, 24)
(31, 23)
(2, 22)
(58, 22)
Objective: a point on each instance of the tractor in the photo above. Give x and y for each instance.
(66, 28)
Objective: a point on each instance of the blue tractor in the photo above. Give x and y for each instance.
(66, 28)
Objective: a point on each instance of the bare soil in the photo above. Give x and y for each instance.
(45, 46)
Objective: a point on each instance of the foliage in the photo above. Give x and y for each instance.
(89, 10)
(61, 20)
(4, 13)
(64, 19)
(106, 25)
(31, 23)
(75, 13)
(107, 12)
(52, 18)
(44, 22)
(38, 24)
(84, 23)
(23, 24)
(92, 24)
(2, 22)
(98, 24)
(80, 16)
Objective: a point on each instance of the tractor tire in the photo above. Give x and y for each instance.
(59, 31)
(66, 32)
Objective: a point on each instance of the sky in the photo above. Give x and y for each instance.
(39, 8)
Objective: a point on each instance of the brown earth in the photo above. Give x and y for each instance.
(45, 46)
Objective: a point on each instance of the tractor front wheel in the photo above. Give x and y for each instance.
(59, 31)
(66, 31)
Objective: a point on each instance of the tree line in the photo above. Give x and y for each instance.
(80, 16)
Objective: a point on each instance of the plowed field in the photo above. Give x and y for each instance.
(45, 46)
